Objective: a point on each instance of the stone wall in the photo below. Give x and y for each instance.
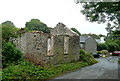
(62, 29)
(35, 47)
(42, 48)
(59, 53)
(66, 44)
(21, 43)
(74, 48)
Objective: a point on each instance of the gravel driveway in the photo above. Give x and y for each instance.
(106, 68)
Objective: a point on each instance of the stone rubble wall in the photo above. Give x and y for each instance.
(34, 45)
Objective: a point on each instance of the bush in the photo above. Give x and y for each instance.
(118, 42)
(102, 46)
(10, 54)
(87, 57)
(99, 52)
(112, 47)
(102, 52)
(26, 70)
(82, 51)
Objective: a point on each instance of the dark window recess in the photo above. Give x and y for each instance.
(34, 35)
(44, 60)
(65, 53)
(59, 41)
(38, 48)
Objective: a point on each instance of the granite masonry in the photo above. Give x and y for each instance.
(60, 46)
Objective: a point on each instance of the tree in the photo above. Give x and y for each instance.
(118, 43)
(36, 24)
(92, 35)
(112, 47)
(75, 30)
(8, 30)
(100, 35)
(9, 23)
(102, 46)
(114, 35)
(103, 12)
(114, 42)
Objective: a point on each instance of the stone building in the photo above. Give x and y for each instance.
(88, 43)
(60, 46)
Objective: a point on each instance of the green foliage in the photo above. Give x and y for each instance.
(114, 43)
(116, 35)
(100, 35)
(36, 24)
(0, 74)
(103, 12)
(87, 57)
(118, 43)
(26, 70)
(112, 47)
(109, 45)
(102, 46)
(99, 52)
(8, 23)
(8, 30)
(10, 54)
(82, 51)
(75, 30)
(92, 35)
(102, 52)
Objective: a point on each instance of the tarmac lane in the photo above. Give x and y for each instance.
(106, 68)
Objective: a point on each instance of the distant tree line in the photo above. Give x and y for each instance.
(110, 45)
(95, 36)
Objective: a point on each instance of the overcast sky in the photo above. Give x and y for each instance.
(49, 12)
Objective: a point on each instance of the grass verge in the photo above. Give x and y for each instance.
(26, 70)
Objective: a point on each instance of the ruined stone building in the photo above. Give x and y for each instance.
(88, 43)
(60, 46)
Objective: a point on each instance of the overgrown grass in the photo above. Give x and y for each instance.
(26, 70)
(87, 57)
